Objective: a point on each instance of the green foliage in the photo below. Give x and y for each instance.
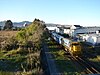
(33, 33)
(21, 36)
(31, 37)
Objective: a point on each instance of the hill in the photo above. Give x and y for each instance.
(16, 24)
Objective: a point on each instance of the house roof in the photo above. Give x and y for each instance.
(78, 26)
(64, 27)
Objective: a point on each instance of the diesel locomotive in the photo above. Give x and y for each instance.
(72, 46)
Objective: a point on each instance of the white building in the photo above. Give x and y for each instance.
(51, 28)
(64, 29)
(93, 39)
(73, 29)
(25, 24)
(85, 30)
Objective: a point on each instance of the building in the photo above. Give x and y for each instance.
(51, 27)
(25, 24)
(64, 29)
(86, 30)
(73, 29)
(91, 39)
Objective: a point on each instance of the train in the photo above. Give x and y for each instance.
(71, 46)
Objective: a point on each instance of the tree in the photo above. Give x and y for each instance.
(8, 25)
(0, 27)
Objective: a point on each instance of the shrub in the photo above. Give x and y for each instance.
(9, 44)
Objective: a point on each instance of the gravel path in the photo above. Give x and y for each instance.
(51, 62)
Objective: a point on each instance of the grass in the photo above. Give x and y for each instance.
(98, 57)
(6, 34)
(6, 73)
(72, 73)
(95, 61)
(12, 55)
(65, 66)
(10, 61)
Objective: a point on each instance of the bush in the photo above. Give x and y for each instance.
(9, 44)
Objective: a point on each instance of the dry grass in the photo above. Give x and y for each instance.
(6, 34)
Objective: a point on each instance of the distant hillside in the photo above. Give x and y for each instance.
(56, 25)
(2, 23)
(53, 25)
(16, 24)
(20, 24)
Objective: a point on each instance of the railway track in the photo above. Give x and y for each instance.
(89, 68)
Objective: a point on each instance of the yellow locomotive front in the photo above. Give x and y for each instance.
(76, 48)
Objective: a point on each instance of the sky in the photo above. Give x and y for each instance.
(79, 12)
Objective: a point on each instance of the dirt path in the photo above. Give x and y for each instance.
(51, 62)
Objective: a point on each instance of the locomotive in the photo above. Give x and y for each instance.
(72, 46)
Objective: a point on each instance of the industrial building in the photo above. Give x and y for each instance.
(86, 30)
